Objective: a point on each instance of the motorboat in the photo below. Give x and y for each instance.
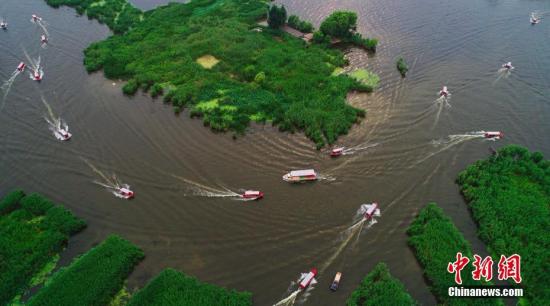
(36, 18)
(336, 282)
(21, 67)
(124, 192)
(508, 66)
(494, 135)
(370, 210)
(37, 75)
(308, 279)
(252, 195)
(44, 39)
(3, 25)
(62, 133)
(300, 176)
(337, 152)
(444, 92)
(534, 20)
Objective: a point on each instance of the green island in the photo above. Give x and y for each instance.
(92, 279)
(402, 66)
(379, 287)
(171, 287)
(436, 241)
(215, 58)
(509, 195)
(33, 231)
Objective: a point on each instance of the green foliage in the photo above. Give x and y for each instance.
(367, 81)
(31, 234)
(92, 279)
(402, 66)
(156, 90)
(294, 89)
(171, 287)
(509, 194)
(357, 39)
(380, 288)
(436, 241)
(276, 16)
(339, 24)
(11, 201)
(118, 15)
(320, 38)
(300, 25)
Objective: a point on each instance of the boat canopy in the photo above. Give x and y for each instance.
(251, 193)
(335, 150)
(308, 172)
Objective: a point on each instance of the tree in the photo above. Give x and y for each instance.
(339, 24)
(276, 16)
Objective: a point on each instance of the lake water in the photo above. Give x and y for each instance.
(180, 169)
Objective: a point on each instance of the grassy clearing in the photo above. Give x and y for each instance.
(171, 287)
(509, 194)
(32, 232)
(367, 79)
(207, 61)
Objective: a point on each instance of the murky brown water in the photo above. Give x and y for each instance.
(262, 246)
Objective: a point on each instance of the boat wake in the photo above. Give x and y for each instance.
(440, 103)
(6, 86)
(289, 300)
(112, 184)
(502, 73)
(198, 189)
(326, 177)
(42, 24)
(358, 148)
(34, 63)
(56, 124)
(450, 142)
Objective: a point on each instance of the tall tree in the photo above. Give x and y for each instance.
(339, 24)
(276, 16)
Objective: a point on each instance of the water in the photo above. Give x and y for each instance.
(259, 246)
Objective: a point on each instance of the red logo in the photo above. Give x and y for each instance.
(457, 266)
(510, 267)
(482, 268)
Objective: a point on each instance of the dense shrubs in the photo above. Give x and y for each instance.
(32, 231)
(436, 241)
(380, 288)
(300, 25)
(402, 67)
(171, 287)
(92, 279)
(276, 16)
(343, 25)
(267, 76)
(118, 15)
(509, 194)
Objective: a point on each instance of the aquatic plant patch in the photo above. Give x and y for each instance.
(509, 194)
(171, 287)
(32, 231)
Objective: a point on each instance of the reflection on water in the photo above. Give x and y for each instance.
(460, 44)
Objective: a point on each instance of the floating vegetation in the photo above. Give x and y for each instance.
(402, 67)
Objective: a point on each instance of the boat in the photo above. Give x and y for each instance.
(37, 75)
(444, 92)
(300, 176)
(44, 39)
(508, 66)
(62, 133)
(252, 195)
(124, 192)
(337, 152)
(370, 210)
(308, 279)
(3, 25)
(21, 66)
(494, 135)
(336, 281)
(36, 18)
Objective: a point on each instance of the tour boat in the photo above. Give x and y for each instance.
(336, 281)
(44, 39)
(36, 18)
(337, 152)
(300, 176)
(21, 66)
(62, 133)
(494, 135)
(370, 210)
(124, 192)
(3, 25)
(444, 92)
(534, 20)
(252, 194)
(508, 66)
(308, 279)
